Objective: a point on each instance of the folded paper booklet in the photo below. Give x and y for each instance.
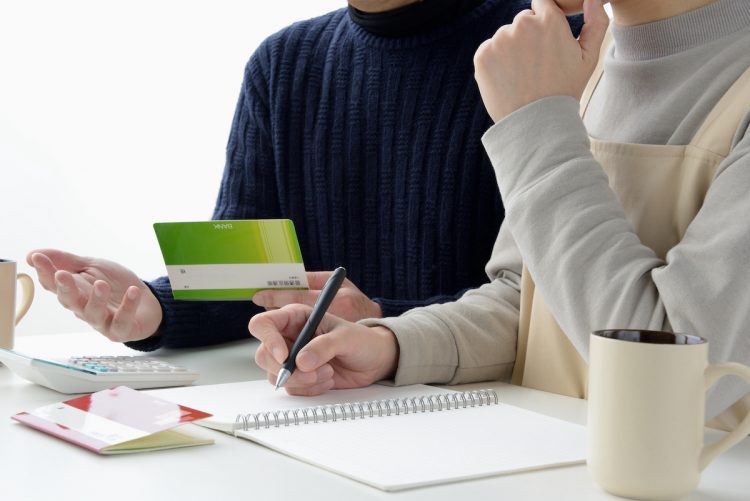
(392, 438)
(230, 260)
(117, 421)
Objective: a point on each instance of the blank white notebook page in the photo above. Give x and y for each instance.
(417, 449)
(399, 451)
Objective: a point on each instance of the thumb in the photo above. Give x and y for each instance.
(595, 23)
(334, 341)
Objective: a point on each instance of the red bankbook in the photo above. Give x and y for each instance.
(117, 421)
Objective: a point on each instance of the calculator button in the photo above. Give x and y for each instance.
(127, 366)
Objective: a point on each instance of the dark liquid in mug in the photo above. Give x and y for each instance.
(652, 337)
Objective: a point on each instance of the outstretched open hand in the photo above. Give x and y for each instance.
(106, 295)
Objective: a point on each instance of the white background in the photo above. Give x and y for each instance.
(115, 115)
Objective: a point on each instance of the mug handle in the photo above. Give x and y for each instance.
(714, 373)
(27, 291)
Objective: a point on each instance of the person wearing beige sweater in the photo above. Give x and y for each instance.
(626, 182)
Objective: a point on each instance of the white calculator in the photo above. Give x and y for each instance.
(90, 374)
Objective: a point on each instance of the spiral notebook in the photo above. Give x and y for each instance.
(391, 438)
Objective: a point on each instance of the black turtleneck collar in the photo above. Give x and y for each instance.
(412, 19)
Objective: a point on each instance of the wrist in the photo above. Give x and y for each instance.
(153, 312)
(390, 352)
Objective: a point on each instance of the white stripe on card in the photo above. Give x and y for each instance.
(237, 276)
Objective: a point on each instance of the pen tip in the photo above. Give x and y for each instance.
(282, 377)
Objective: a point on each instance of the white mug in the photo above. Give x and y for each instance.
(9, 314)
(646, 412)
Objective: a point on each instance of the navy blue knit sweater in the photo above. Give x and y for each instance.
(371, 145)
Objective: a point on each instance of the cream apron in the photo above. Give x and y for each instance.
(661, 189)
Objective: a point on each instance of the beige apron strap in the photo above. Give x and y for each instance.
(597, 75)
(718, 129)
(524, 322)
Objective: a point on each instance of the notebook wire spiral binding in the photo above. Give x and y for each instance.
(365, 409)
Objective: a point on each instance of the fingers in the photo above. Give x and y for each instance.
(45, 270)
(48, 261)
(73, 279)
(300, 378)
(268, 361)
(270, 299)
(93, 307)
(317, 279)
(311, 391)
(314, 374)
(68, 293)
(96, 312)
(123, 322)
(322, 349)
(61, 259)
(272, 327)
(546, 7)
(307, 383)
(305, 391)
(595, 23)
(524, 12)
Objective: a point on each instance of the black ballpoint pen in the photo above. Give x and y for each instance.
(329, 291)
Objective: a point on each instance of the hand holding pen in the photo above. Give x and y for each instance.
(342, 354)
(313, 321)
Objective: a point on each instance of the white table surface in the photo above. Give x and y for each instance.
(36, 466)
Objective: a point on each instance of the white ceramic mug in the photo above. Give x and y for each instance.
(646, 412)
(9, 314)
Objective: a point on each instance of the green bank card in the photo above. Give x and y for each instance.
(230, 260)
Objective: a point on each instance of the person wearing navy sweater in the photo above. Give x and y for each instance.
(362, 126)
